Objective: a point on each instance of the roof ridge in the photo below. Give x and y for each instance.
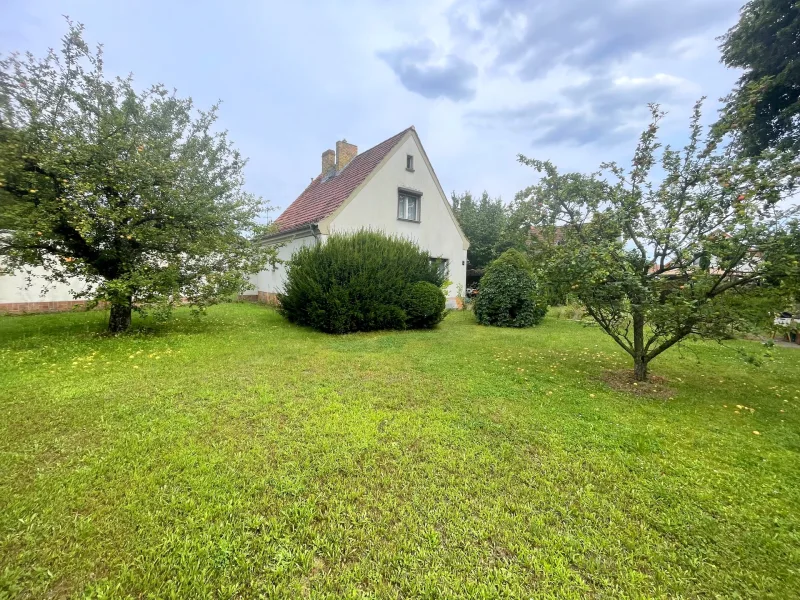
(323, 196)
(384, 141)
(373, 148)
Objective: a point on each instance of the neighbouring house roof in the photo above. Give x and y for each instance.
(559, 233)
(328, 191)
(672, 272)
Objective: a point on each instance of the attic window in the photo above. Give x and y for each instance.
(408, 206)
(409, 162)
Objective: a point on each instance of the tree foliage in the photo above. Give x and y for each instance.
(362, 281)
(655, 258)
(131, 192)
(525, 233)
(764, 107)
(483, 222)
(509, 295)
(783, 258)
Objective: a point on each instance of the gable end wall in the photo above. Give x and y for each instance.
(375, 207)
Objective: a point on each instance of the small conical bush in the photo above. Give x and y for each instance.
(508, 295)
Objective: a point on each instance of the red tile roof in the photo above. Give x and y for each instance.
(323, 196)
(558, 234)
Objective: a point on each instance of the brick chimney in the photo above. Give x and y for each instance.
(344, 154)
(328, 160)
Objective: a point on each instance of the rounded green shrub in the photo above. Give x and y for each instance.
(424, 304)
(508, 295)
(356, 282)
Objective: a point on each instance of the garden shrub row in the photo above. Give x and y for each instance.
(363, 281)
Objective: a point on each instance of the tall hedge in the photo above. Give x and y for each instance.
(361, 281)
(508, 295)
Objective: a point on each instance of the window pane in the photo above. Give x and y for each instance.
(411, 213)
(408, 206)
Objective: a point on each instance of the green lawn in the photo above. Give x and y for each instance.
(239, 456)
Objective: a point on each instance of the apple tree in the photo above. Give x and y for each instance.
(656, 251)
(132, 192)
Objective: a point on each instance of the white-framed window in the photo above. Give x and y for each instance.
(408, 206)
(409, 162)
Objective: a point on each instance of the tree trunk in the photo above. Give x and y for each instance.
(120, 318)
(639, 369)
(639, 361)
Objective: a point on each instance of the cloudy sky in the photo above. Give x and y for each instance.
(481, 80)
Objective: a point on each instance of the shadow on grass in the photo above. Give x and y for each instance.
(29, 330)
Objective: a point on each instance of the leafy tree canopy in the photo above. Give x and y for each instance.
(655, 250)
(764, 108)
(483, 222)
(131, 192)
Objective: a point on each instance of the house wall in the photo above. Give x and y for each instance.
(17, 297)
(270, 281)
(375, 207)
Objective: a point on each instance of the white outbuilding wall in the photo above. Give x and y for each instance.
(16, 296)
(271, 280)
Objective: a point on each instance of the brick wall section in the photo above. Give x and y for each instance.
(25, 308)
(268, 298)
(345, 152)
(262, 297)
(21, 308)
(328, 161)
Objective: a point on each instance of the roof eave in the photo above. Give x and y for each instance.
(307, 228)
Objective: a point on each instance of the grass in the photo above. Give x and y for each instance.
(239, 457)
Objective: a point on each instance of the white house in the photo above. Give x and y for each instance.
(391, 187)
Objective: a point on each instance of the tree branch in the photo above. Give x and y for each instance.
(607, 328)
(679, 335)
